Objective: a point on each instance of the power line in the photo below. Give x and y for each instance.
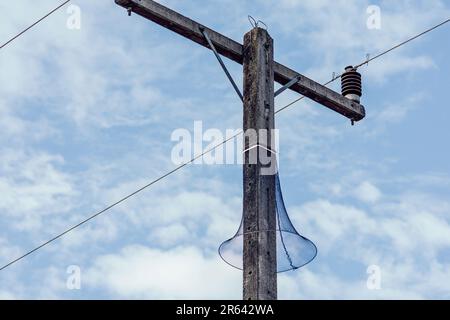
(128, 196)
(366, 62)
(194, 158)
(34, 24)
(403, 43)
(302, 97)
(117, 202)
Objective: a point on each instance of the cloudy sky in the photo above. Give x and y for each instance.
(86, 116)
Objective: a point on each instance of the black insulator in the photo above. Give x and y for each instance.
(351, 84)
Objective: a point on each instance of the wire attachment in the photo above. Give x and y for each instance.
(262, 22)
(252, 21)
(260, 146)
(129, 11)
(256, 24)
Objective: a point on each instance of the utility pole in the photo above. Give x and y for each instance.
(259, 211)
(260, 72)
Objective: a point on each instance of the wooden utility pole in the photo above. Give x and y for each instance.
(260, 72)
(259, 254)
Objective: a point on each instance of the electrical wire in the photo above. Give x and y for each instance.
(403, 43)
(366, 62)
(194, 158)
(119, 201)
(302, 97)
(34, 24)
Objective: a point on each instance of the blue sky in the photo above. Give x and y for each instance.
(86, 117)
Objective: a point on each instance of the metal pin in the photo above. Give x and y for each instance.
(129, 11)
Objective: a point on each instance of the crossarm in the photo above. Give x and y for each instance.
(233, 50)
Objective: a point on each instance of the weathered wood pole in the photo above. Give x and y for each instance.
(259, 254)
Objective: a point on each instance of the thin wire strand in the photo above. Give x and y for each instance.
(34, 24)
(119, 201)
(302, 97)
(366, 62)
(403, 43)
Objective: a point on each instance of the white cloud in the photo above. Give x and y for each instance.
(422, 233)
(404, 238)
(100, 232)
(367, 192)
(325, 284)
(7, 250)
(89, 77)
(204, 214)
(31, 184)
(169, 236)
(336, 32)
(180, 273)
(379, 71)
(326, 223)
(4, 295)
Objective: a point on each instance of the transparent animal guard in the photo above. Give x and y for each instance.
(293, 250)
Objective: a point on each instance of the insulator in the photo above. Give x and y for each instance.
(351, 84)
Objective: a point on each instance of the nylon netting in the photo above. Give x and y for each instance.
(293, 250)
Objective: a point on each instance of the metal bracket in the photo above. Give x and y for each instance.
(213, 48)
(287, 85)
